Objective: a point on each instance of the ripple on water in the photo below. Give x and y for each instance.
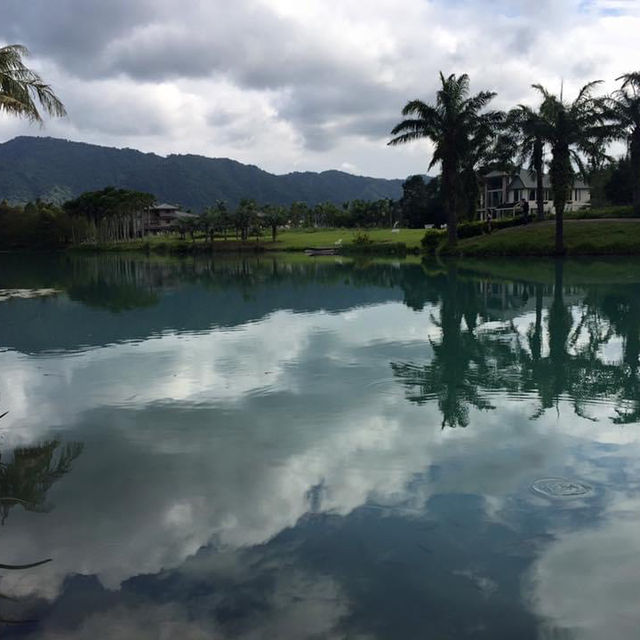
(561, 488)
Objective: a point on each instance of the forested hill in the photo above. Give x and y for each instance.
(57, 170)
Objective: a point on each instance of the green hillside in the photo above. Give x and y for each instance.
(56, 170)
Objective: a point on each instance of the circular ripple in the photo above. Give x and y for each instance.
(561, 488)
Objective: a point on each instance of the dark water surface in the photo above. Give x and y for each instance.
(296, 449)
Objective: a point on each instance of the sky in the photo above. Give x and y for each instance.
(297, 85)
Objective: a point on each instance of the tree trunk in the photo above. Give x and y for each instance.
(449, 186)
(561, 176)
(635, 170)
(539, 169)
(273, 232)
(559, 228)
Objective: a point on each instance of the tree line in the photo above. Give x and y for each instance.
(469, 140)
(572, 137)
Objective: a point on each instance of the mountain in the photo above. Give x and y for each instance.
(56, 170)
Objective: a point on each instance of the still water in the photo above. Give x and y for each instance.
(320, 449)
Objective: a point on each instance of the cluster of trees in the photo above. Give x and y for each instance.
(37, 224)
(112, 214)
(251, 219)
(469, 139)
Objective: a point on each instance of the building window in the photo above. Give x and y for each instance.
(532, 194)
(576, 195)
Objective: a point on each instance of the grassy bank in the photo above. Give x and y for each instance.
(377, 240)
(582, 237)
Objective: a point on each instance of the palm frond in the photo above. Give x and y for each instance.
(21, 89)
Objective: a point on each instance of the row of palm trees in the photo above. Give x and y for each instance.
(468, 139)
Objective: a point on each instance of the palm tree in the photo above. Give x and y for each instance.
(529, 128)
(450, 124)
(570, 129)
(484, 149)
(21, 88)
(623, 109)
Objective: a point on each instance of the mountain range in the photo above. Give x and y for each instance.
(57, 170)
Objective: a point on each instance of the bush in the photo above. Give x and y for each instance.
(505, 223)
(471, 229)
(624, 211)
(431, 239)
(362, 239)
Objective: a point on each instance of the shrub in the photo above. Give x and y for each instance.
(622, 211)
(431, 239)
(362, 239)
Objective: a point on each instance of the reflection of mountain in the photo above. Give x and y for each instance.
(174, 295)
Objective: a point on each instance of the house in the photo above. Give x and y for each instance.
(502, 191)
(164, 217)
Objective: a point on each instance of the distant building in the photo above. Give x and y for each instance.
(502, 191)
(164, 217)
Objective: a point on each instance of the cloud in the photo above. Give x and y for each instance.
(295, 86)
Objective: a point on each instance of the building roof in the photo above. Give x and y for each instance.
(165, 206)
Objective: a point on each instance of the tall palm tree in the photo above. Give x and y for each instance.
(570, 129)
(623, 109)
(450, 124)
(21, 89)
(529, 127)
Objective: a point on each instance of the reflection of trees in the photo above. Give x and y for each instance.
(621, 307)
(27, 478)
(117, 283)
(470, 360)
(458, 368)
(25, 481)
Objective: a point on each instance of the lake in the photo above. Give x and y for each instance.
(299, 448)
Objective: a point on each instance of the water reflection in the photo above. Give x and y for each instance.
(254, 467)
(27, 478)
(474, 358)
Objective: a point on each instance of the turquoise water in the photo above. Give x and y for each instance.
(319, 449)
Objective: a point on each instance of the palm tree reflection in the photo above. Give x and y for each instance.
(26, 480)
(473, 359)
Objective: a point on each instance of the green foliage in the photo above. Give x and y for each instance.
(114, 214)
(362, 239)
(623, 111)
(625, 211)
(21, 89)
(38, 225)
(432, 239)
(421, 202)
(618, 188)
(461, 135)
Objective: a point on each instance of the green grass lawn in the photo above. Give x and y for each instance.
(297, 240)
(582, 237)
(288, 240)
